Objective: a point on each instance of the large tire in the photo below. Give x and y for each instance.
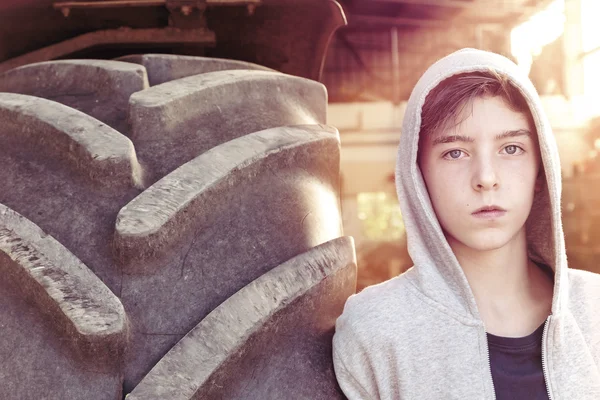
(132, 215)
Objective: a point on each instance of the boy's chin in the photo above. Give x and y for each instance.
(482, 243)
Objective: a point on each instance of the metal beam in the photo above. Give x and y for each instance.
(466, 5)
(434, 3)
(66, 6)
(140, 3)
(109, 4)
(112, 37)
(396, 21)
(357, 19)
(589, 52)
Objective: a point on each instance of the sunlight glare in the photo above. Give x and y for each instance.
(542, 28)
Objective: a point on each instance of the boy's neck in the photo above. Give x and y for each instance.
(513, 295)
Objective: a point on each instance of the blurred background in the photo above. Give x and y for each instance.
(374, 62)
(370, 66)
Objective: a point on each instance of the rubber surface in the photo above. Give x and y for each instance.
(131, 221)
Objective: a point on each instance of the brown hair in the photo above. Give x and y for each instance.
(445, 104)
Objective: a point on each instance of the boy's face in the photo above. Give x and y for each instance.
(489, 159)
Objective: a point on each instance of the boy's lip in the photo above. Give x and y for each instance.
(492, 207)
(492, 211)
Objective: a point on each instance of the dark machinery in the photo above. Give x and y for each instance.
(169, 220)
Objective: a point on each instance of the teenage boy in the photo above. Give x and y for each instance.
(490, 309)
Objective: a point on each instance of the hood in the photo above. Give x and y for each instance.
(437, 271)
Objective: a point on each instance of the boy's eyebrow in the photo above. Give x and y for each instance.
(468, 139)
(452, 138)
(515, 133)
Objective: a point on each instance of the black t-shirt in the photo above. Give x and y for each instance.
(516, 363)
(517, 366)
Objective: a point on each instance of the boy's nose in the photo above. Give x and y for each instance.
(485, 177)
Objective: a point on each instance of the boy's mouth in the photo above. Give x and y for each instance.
(489, 212)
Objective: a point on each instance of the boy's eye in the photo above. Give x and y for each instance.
(453, 154)
(513, 149)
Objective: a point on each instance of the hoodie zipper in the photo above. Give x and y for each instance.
(544, 364)
(487, 345)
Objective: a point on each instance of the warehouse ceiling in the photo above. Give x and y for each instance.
(427, 13)
(388, 44)
(281, 34)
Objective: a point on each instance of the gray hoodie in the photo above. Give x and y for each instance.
(420, 335)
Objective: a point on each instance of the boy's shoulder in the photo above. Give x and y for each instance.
(584, 286)
(371, 319)
(379, 305)
(584, 301)
(367, 337)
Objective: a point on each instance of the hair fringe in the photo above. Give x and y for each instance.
(446, 103)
